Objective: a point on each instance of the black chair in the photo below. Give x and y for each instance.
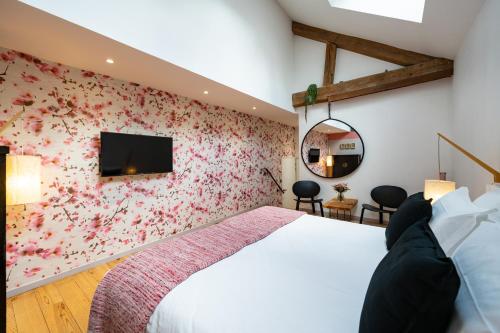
(386, 196)
(307, 189)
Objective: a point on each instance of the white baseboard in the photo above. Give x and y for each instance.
(39, 283)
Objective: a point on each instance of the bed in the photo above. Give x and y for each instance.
(267, 270)
(310, 275)
(278, 270)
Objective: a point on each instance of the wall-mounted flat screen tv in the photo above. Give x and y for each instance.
(129, 154)
(313, 155)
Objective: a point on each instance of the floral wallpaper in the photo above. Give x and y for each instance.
(218, 156)
(315, 139)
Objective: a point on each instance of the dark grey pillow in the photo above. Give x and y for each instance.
(413, 209)
(414, 287)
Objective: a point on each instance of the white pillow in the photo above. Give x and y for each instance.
(477, 260)
(490, 200)
(454, 217)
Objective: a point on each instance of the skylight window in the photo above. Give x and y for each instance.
(408, 10)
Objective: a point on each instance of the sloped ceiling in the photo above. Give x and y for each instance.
(440, 34)
(33, 31)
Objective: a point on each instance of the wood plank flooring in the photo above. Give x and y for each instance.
(59, 307)
(63, 306)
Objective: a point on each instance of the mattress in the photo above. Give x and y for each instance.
(308, 276)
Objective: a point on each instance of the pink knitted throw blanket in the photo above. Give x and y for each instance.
(128, 295)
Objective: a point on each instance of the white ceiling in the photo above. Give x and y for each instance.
(32, 31)
(444, 25)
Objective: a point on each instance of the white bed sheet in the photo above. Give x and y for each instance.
(309, 276)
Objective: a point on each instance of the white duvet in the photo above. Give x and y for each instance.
(309, 276)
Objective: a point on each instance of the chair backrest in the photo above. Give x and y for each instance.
(306, 189)
(389, 196)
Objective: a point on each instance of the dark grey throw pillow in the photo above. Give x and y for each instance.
(414, 287)
(413, 209)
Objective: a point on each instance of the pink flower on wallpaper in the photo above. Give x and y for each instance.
(44, 253)
(141, 99)
(90, 236)
(96, 221)
(29, 78)
(29, 249)
(25, 99)
(88, 74)
(141, 236)
(7, 56)
(48, 160)
(31, 271)
(57, 251)
(10, 247)
(11, 261)
(27, 57)
(34, 123)
(48, 69)
(46, 142)
(137, 220)
(36, 220)
(48, 235)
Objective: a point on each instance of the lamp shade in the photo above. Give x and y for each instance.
(23, 179)
(435, 189)
(329, 160)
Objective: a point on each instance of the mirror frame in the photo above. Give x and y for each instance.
(302, 147)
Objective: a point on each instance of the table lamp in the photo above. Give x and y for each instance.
(435, 189)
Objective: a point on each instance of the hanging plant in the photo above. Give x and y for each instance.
(310, 98)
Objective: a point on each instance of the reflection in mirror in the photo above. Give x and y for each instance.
(332, 149)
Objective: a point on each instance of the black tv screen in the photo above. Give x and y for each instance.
(313, 155)
(129, 154)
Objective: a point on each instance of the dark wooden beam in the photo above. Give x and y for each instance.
(362, 46)
(330, 58)
(398, 78)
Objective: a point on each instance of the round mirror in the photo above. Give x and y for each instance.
(332, 149)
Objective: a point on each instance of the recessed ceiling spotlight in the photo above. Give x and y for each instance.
(254, 108)
(110, 61)
(205, 92)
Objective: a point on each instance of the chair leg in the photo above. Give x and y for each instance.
(361, 218)
(314, 208)
(380, 218)
(321, 208)
(297, 204)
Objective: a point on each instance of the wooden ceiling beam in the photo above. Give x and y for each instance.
(423, 72)
(330, 59)
(362, 46)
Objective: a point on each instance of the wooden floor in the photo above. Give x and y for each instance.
(64, 306)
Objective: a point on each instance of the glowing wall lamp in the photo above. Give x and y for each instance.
(20, 184)
(23, 179)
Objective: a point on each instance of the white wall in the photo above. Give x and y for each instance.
(398, 127)
(245, 45)
(476, 99)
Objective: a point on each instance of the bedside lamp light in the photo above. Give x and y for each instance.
(435, 189)
(23, 179)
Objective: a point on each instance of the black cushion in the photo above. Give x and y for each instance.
(414, 208)
(414, 287)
